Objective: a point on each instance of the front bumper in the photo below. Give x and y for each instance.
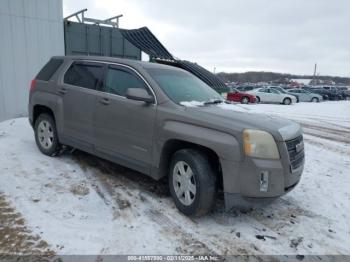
(256, 179)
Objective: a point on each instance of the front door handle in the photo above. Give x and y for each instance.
(104, 101)
(62, 91)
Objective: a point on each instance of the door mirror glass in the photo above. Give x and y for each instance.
(139, 94)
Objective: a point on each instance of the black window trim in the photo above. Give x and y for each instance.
(105, 65)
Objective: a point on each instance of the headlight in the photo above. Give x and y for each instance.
(260, 144)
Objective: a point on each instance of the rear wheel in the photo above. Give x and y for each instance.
(314, 100)
(46, 135)
(245, 100)
(258, 99)
(287, 101)
(192, 182)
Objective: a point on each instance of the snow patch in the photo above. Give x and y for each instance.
(192, 103)
(233, 107)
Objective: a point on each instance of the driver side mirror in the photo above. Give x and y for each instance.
(139, 94)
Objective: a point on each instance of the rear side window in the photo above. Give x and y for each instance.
(49, 69)
(118, 81)
(84, 75)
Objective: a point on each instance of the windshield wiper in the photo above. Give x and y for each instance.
(214, 102)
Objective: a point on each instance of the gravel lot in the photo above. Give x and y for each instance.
(79, 204)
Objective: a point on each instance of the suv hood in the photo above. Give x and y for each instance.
(233, 118)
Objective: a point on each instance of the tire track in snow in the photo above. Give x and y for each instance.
(15, 237)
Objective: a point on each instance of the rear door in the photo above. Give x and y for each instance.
(124, 128)
(78, 93)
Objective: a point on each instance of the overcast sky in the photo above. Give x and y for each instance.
(286, 36)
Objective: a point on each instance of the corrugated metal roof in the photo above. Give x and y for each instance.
(202, 73)
(144, 39)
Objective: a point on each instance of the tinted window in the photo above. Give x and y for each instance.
(84, 75)
(274, 91)
(118, 81)
(49, 69)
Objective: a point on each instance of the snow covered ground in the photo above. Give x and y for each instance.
(79, 204)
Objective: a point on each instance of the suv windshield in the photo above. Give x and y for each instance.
(180, 86)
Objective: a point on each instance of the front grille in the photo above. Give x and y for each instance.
(296, 153)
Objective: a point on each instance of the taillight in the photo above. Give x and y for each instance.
(32, 85)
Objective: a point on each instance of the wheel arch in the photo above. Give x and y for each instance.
(39, 109)
(173, 145)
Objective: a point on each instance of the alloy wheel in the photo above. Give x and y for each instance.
(45, 134)
(184, 183)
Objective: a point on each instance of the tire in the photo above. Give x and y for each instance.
(315, 100)
(257, 99)
(287, 101)
(46, 135)
(201, 198)
(245, 100)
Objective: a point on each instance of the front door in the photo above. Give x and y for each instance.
(124, 128)
(275, 95)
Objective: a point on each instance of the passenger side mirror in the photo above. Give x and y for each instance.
(139, 94)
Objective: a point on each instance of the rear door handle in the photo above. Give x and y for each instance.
(104, 101)
(62, 91)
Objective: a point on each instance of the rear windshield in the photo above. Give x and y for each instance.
(49, 69)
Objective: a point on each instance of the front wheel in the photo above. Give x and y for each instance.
(46, 135)
(192, 182)
(287, 101)
(245, 100)
(314, 100)
(257, 99)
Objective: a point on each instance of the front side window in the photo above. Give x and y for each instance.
(119, 80)
(181, 86)
(84, 75)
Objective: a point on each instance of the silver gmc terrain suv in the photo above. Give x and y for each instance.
(163, 121)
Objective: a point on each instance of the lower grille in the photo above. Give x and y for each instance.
(296, 153)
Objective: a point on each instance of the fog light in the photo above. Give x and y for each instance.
(264, 181)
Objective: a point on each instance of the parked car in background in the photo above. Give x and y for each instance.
(246, 88)
(284, 91)
(333, 92)
(164, 122)
(317, 90)
(236, 96)
(271, 95)
(305, 96)
(344, 92)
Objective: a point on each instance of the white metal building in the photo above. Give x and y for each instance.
(31, 31)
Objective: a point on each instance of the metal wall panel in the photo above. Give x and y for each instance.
(88, 39)
(31, 32)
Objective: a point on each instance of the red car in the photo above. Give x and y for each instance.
(236, 96)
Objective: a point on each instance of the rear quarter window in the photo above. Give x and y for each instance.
(49, 69)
